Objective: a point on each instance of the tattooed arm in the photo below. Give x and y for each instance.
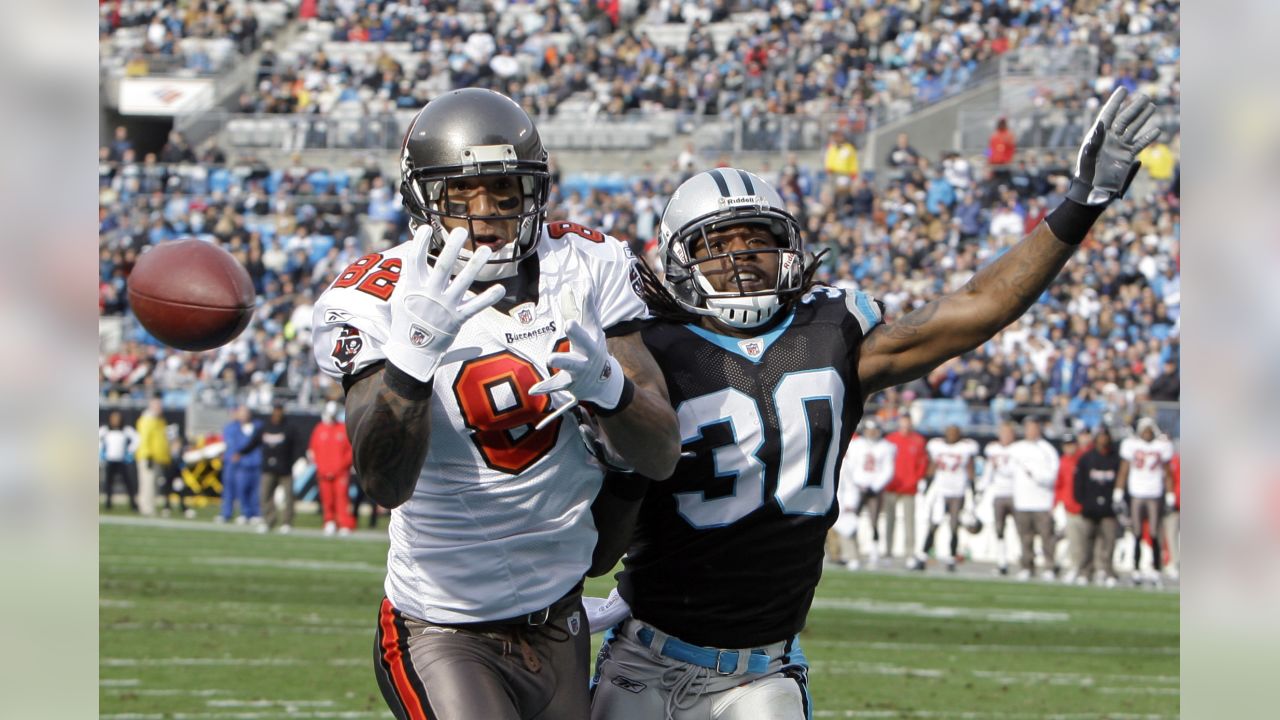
(958, 322)
(389, 436)
(646, 434)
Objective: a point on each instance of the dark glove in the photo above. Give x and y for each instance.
(1108, 158)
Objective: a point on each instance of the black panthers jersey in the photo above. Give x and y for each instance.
(728, 551)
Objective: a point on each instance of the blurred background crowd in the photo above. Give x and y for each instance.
(915, 140)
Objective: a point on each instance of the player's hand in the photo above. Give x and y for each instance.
(1108, 158)
(588, 372)
(1170, 502)
(428, 308)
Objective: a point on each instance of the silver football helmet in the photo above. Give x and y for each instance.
(715, 200)
(468, 133)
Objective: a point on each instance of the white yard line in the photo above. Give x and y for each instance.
(222, 662)
(917, 609)
(360, 535)
(982, 648)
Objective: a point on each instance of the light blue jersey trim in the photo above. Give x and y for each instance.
(734, 345)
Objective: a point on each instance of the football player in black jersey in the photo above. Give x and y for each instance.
(768, 376)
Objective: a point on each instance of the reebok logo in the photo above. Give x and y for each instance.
(628, 684)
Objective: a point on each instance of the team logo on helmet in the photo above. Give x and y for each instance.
(346, 348)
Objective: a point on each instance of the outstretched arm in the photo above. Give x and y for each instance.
(646, 433)
(961, 321)
(389, 434)
(1001, 291)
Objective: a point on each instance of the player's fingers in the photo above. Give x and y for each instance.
(579, 336)
(1129, 114)
(482, 301)
(1147, 137)
(453, 243)
(469, 271)
(570, 308)
(570, 361)
(1132, 125)
(415, 266)
(559, 381)
(1108, 114)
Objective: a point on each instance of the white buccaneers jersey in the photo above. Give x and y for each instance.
(1147, 463)
(951, 464)
(868, 463)
(499, 524)
(997, 476)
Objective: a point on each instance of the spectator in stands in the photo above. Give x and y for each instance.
(1001, 147)
(117, 443)
(279, 450)
(241, 467)
(909, 465)
(1167, 387)
(902, 157)
(1035, 464)
(1094, 486)
(841, 160)
(152, 454)
(330, 450)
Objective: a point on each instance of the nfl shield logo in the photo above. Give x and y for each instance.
(753, 348)
(419, 336)
(523, 314)
(575, 623)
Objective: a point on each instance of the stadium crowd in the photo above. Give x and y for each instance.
(190, 35)
(861, 60)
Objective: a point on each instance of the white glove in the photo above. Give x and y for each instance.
(1117, 496)
(1170, 501)
(604, 613)
(428, 309)
(587, 372)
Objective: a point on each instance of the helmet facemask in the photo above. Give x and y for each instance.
(688, 276)
(431, 195)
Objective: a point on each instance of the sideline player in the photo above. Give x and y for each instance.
(446, 346)
(867, 468)
(997, 485)
(1144, 474)
(951, 473)
(768, 376)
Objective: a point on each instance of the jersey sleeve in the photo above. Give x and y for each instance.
(610, 261)
(1126, 449)
(864, 308)
(348, 331)
(932, 447)
(1166, 451)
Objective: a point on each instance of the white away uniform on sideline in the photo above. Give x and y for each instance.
(1035, 465)
(1147, 461)
(997, 476)
(499, 524)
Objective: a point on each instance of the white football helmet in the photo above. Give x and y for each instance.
(715, 200)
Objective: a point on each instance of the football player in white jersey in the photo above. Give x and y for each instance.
(996, 485)
(951, 473)
(769, 375)
(868, 466)
(458, 351)
(1144, 473)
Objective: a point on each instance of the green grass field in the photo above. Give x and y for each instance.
(197, 622)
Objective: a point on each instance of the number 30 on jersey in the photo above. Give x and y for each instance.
(802, 454)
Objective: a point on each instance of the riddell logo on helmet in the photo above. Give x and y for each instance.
(741, 200)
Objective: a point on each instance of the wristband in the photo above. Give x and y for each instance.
(1070, 221)
(405, 385)
(624, 399)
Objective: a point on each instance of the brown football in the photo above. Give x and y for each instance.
(191, 294)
